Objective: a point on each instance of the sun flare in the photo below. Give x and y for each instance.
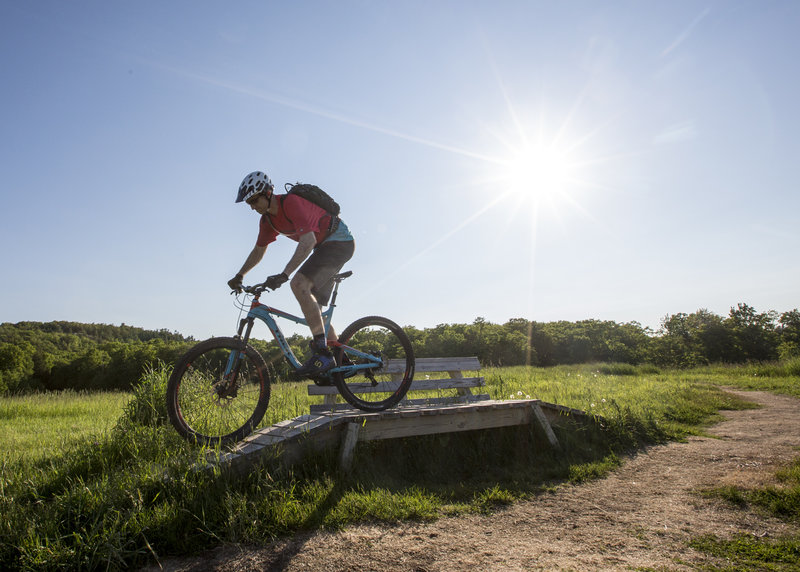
(538, 172)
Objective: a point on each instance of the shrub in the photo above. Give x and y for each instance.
(148, 405)
(617, 369)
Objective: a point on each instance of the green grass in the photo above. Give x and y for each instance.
(746, 553)
(776, 377)
(40, 425)
(120, 499)
(648, 406)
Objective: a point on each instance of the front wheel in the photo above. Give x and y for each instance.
(389, 350)
(218, 392)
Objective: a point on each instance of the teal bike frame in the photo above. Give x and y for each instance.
(267, 315)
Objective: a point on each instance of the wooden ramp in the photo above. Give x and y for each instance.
(290, 440)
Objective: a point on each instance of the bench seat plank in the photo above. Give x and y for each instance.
(436, 364)
(416, 385)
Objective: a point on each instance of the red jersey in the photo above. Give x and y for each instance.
(295, 217)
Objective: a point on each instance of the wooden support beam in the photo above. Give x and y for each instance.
(348, 447)
(545, 424)
(456, 374)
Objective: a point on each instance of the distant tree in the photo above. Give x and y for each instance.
(16, 365)
(789, 334)
(754, 334)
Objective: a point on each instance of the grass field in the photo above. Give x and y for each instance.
(35, 426)
(100, 480)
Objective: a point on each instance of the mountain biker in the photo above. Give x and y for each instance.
(324, 244)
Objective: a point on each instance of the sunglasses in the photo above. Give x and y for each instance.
(252, 200)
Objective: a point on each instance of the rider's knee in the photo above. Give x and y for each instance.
(301, 286)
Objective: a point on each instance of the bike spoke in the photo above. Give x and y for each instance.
(206, 406)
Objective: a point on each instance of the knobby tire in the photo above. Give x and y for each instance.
(195, 406)
(377, 336)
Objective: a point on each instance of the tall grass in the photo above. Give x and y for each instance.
(133, 495)
(778, 377)
(647, 406)
(40, 425)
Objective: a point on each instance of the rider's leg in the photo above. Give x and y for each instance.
(321, 359)
(313, 284)
(301, 287)
(303, 290)
(332, 336)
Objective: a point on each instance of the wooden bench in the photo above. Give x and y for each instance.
(423, 381)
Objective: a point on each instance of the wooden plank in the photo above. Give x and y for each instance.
(435, 364)
(432, 423)
(307, 426)
(391, 386)
(447, 364)
(455, 399)
(265, 439)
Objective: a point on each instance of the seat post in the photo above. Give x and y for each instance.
(335, 293)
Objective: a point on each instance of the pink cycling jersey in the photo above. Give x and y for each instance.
(296, 216)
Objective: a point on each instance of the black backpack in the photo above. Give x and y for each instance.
(314, 194)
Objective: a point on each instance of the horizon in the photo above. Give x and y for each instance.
(646, 329)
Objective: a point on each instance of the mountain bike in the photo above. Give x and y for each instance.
(219, 390)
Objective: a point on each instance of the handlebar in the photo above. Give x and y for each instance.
(255, 289)
(258, 289)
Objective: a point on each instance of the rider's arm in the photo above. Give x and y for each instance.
(253, 258)
(305, 244)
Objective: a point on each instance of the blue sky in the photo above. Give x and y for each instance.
(547, 160)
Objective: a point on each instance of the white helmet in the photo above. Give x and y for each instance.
(255, 183)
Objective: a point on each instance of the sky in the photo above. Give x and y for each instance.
(617, 160)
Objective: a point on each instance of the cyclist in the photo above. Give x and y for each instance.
(324, 244)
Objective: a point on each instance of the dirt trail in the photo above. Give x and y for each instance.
(639, 517)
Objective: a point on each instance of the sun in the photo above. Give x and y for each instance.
(538, 172)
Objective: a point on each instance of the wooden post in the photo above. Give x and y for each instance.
(462, 391)
(548, 429)
(348, 447)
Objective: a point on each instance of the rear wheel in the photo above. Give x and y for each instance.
(218, 392)
(376, 388)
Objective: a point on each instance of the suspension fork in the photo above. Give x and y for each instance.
(237, 356)
(245, 327)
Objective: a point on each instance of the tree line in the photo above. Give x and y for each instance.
(682, 340)
(72, 355)
(61, 355)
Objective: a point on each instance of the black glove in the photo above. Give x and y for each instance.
(275, 281)
(236, 283)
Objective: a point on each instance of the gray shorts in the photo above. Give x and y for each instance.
(323, 264)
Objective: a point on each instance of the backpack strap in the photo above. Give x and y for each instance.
(269, 218)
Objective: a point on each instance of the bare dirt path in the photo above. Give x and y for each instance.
(641, 516)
